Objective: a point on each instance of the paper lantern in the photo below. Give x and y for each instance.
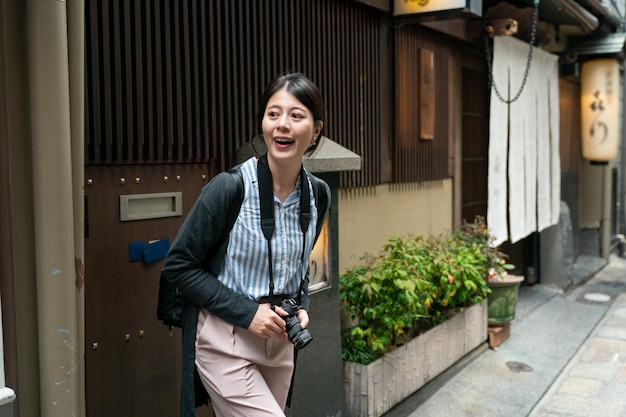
(600, 101)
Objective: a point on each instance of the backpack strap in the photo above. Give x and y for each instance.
(266, 208)
(321, 203)
(233, 213)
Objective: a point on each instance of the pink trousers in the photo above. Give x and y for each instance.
(244, 374)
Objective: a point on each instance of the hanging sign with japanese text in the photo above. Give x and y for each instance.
(600, 107)
(411, 7)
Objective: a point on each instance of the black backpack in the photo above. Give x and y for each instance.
(171, 302)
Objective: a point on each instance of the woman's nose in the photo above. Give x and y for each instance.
(283, 122)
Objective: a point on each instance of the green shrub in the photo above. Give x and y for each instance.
(385, 295)
(414, 284)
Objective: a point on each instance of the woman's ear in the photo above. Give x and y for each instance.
(318, 129)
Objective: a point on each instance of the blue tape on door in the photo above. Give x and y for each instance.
(136, 251)
(156, 250)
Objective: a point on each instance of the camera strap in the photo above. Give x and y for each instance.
(268, 225)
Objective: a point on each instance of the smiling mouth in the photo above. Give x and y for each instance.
(283, 141)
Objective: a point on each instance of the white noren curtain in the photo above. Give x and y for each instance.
(524, 162)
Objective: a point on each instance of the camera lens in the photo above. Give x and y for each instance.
(297, 335)
(302, 339)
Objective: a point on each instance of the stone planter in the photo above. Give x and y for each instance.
(371, 390)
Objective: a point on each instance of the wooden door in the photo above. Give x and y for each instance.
(475, 142)
(132, 360)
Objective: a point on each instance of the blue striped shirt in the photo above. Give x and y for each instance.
(245, 268)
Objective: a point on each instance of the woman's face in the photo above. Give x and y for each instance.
(288, 128)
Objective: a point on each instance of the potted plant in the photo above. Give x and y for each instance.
(504, 286)
(417, 308)
(502, 301)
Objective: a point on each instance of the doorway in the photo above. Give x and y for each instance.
(475, 139)
(132, 360)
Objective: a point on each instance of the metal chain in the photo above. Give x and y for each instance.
(491, 82)
(622, 23)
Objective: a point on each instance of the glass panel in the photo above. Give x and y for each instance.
(318, 266)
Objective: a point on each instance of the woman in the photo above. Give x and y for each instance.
(234, 330)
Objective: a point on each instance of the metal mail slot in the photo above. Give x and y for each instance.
(150, 206)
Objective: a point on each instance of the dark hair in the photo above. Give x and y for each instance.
(301, 87)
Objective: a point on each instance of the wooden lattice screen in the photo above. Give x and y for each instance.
(178, 81)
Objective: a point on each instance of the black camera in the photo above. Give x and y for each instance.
(297, 335)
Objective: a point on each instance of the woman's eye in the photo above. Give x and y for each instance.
(272, 114)
(297, 116)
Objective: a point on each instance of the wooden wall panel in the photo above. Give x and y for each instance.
(416, 159)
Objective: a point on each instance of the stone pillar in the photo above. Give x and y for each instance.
(557, 252)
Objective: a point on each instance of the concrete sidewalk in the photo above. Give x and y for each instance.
(566, 357)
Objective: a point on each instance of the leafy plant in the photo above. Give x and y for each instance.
(414, 284)
(456, 275)
(495, 262)
(384, 294)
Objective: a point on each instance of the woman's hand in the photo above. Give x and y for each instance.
(303, 316)
(268, 323)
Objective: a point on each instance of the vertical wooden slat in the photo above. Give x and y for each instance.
(301, 40)
(186, 137)
(203, 92)
(377, 104)
(128, 100)
(118, 105)
(212, 69)
(160, 92)
(196, 85)
(256, 39)
(253, 79)
(168, 114)
(346, 75)
(229, 97)
(240, 90)
(178, 53)
(278, 22)
(107, 131)
(140, 72)
(219, 81)
(224, 98)
(149, 98)
(427, 98)
(94, 123)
